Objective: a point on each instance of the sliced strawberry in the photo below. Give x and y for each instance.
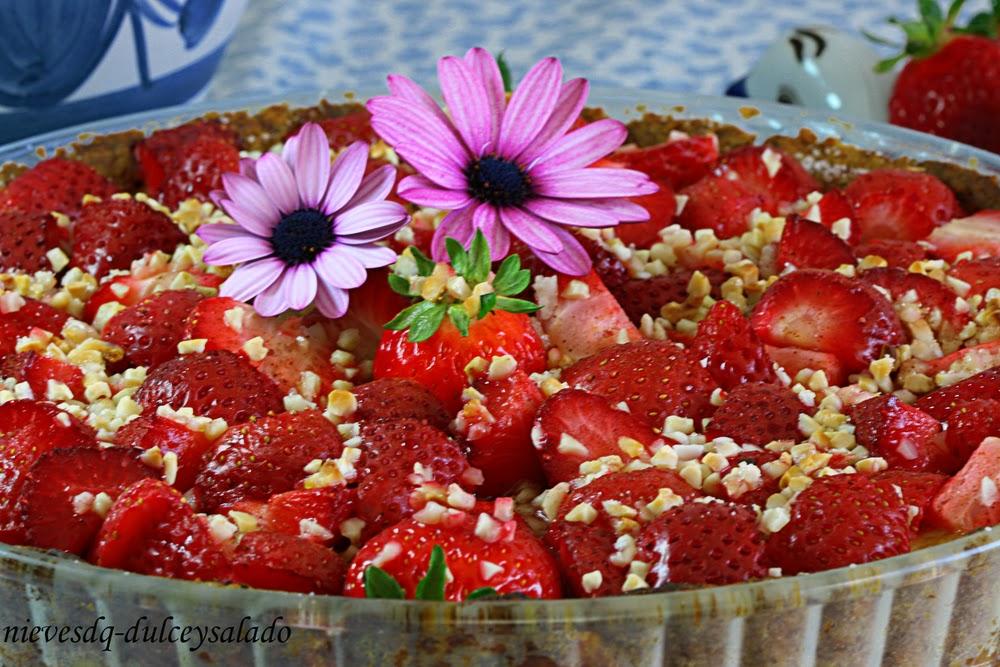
(898, 254)
(833, 207)
(38, 370)
(703, 543)
(794, 359)
(982, 356)
(734, 353)
(900, 204)
(840, 520)
(110, 234)
(757, 413)
(254, 461)
(930, 293)
(824, 311)
(655, 379)
(199, 171)
(575, 426)
(151, 529)
(582, 548)
(506, 557)
(25, 238)
(398, 398)
(607, 266)
(20, 321)
(58, 495)
(213, 384)
(969, 500)
(161, 152)
(745, 486)
(289, 347)
(639, 296)
(978, 234)
(496, 425)
(661, 205)
(313, 514)
(56, 184)
(151, 430)
(721, 204)
(29, 429)
(916, 488)
(391, 479)
(982, 274)
(806, 244)
(678, 162)
(278, 562)
(969, 424)
(905, 436)
(145, 279)
(770, 173)
(150, 330)
(941, 402)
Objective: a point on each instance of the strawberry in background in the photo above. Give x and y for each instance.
(950, 86)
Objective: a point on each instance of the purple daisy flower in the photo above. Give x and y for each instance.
(509, 168)
(306, 229)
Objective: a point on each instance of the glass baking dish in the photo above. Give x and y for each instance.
(936, 606)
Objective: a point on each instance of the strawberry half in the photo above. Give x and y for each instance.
(833, 207)
(312, 514)
(278, 562)
(969, 500)
(25, 238)
(655, 379)
(59, 496)
(151, 430)
(806, 244)
(969, 424)
(199, 170)
(794, 360)
(639, 296)
(941, 402)
(661, 206)
(737, 488)
(56, 184)
(161, 152)
(254, 461)
(825, 311)
(898, 254)
(152, 530)
(703, 543)
(905, 436)
(930, 293)
(150, 330)
(575, 426)
(917, 489)
(213, 384)
(757, 413)
(978, 234)
(30, 315)
(840, 520)
(770, 173)
(733, 352)
(900, 204)
(37, 370)
(981, 274)
(678, 162)
(398, 398)
(721, 204)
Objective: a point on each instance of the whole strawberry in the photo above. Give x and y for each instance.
(951, 85)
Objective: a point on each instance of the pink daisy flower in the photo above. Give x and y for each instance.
(305, 230)
(509, 168)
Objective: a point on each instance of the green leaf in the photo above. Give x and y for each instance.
(511, 278)
(428, 322)
(872, 37)
(409, 315)
(508, 85)
(457, 255)
(484, 592)
(486, 303)
(399, 284)
(930, 11)
(516, 305)
(431, 587)
(883, 66)
(479, 260)
(460, 318)
(953, 10)
(380, 584)
(425, 265)
(983, 24)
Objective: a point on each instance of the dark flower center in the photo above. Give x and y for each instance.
(301, 236)
(497, 181)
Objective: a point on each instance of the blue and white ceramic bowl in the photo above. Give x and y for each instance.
(66, 62)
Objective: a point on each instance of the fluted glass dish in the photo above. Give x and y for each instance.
(935, 606)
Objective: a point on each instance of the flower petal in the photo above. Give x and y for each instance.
(456, 225)
(217, 231)
(271, 301)
(397, 120)
(572, 260)
(312, 165)
(465, 96)
(484, 66)
(338, 266)
(376, 186)
(581, 147)
(374, 256)
(290, 149)
(331, 301)
(423, 192)
(572, 97)
(345, 176)
(432, 166)
(535, 232)
(487, 220)
(623, 209)
(570, 212)
(250, 279)
(248, 167)
(530, 107)
(594, 182)
(405, 88)
(237, 250)
(367, 217)
(276, 177)
(249, 205)
(299, 285)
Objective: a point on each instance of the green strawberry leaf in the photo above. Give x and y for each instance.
(425, 265)
(429, 320)
(982, 24)
(516, 305)
(399, 284)
(484, 592)
(930, 11)
(380, 584)
(460, 318)
(479, 260)
(409, 315)
(457, 255)
(511, 279)
(487, 302)
(953, 10)
(508, 84)
(431, 587)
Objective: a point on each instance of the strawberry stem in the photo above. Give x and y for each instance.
(935, 28)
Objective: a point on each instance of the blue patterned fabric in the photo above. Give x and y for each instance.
(681, 45)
